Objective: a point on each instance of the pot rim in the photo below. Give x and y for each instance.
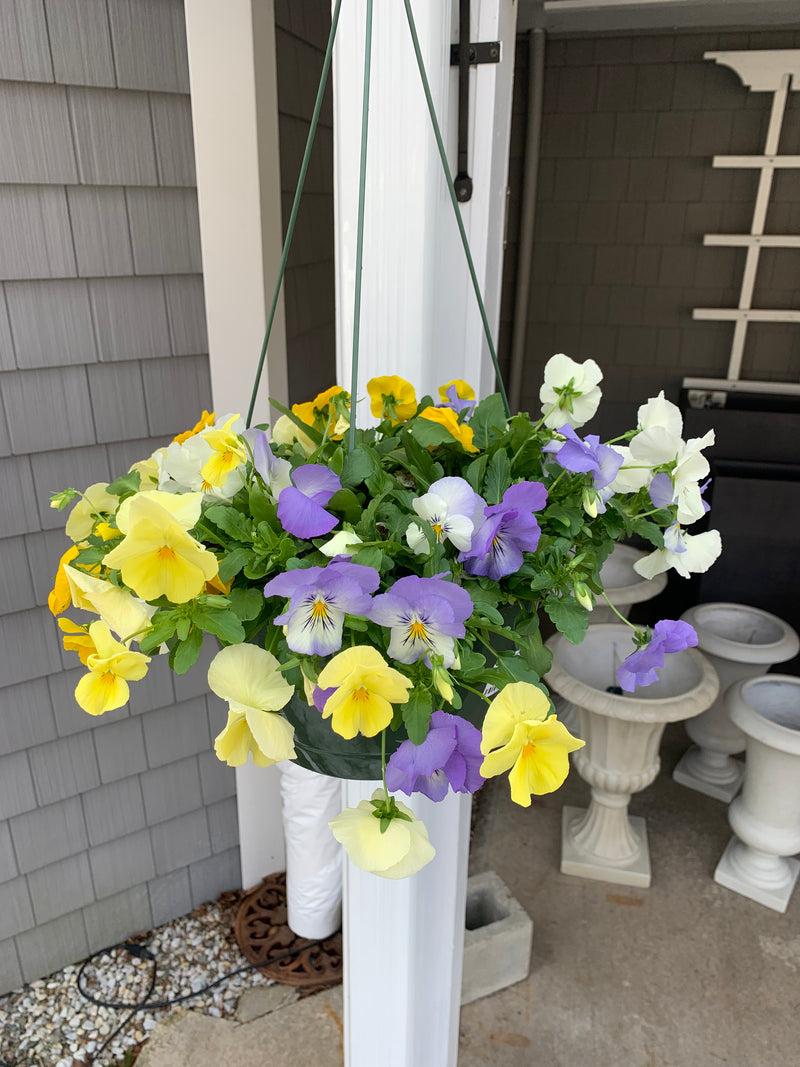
(630, 708)
(642, 588)
(784, 647)
(754, 723)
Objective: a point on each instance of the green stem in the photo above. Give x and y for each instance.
(289, 664)
(312, 130)
(383, 762)
(619, 614)
(477, 692)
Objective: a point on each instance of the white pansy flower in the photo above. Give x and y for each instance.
(401, 850)
(344, 543)
(574, 390)
(661, 412)
(181, 466)
(686, 553)
(632, 475)
(452, 508)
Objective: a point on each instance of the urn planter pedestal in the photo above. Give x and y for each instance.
(741, 642)
(622, 735)
(765, 817)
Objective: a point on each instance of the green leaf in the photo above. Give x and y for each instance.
(358, 466)
(430, 434)
(182, 628)
(498, 477)
(233, 561)
(345, 502)
(488, 420)
(127, 484)
(260, 506)
(184, 654)
(236, 525)
(163, 629)
(420, 461)
(568, 616)
(475, 472)
(517, 668)
(336, 462)
(649, 531)
(223, 624)
(369, 557)
(246, 603)
(417, 714)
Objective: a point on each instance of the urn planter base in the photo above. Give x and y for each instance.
(719, 777)
(768, 880)
(574, 860)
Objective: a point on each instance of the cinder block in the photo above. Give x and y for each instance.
(122, 863)
(33, 118)
(120, 750)
(131, 318)
(64, 768)
(165, 231)
(149, 38)
(8, 860)
(223, 824)
(172, 127)
(53, 471)
(116, 918)
(52, 946)
(37, 240)
(48, 409)
(117, 400)
(100, 227)
(171, 790)
(174, 733)
(61, 887)
(113, 136)
(114, 811)
(187, 314)
(170, 896)
(24, 46)
(49, 834)
(16, 588)
(10, 970)
(181, 841)
(80, 42)
(176, 391)
(212, 876)
(30, 645)
(217, 779)
(498, 938)
(51, 322)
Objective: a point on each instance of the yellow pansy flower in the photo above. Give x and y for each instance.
(249, 679)
(228, 452)
(60, 596)
(459, 430)
(518, 737)
(94, 503)
(111, 666)
(184, 508)
(158, 557)
(366, 687)
(315, 412)
(464, 390)
(118, 608)
(285, 432)
(205, 420)
(401, 850)
(76, 639)
(392, 397)
(148, 469)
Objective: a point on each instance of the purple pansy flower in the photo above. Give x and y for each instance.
(424, 615)
(508, 529)
(319, 599)
(301, 507)
(586, 456)
(273, 470)
(662, 491)
(640, 668)
(451, 753)
(320, 697)
(458, 403)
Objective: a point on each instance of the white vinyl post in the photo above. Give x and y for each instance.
(403, 940)
(235, 117)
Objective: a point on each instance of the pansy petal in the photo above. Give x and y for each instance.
(317, 482)
(303, 517)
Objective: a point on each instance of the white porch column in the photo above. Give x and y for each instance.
(419, 319)
(235, 116)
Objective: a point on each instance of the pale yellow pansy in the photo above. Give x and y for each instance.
(402, 850)
(184, 508)
(94, 504)
(248, 678)
(111, 666)
(119, 609)
(366, 688)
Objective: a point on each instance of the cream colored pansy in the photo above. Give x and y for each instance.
(570, 392)
(343, 543)
(183, 508)
(148, 470)
(519, 737)
(119, 609)
(285, 432)
(400, 851)
(181, 470)
(248, 678)
(94, 503)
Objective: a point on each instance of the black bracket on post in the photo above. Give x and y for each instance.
(463, 55)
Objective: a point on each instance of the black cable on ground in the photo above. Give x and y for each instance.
(144, 953)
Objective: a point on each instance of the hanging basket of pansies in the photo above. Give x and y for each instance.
(376, 591)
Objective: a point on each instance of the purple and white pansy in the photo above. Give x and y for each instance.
(424, 616)
(319, 599)
(452, 508)
(450, 756)
(640, 668)
(508, 529)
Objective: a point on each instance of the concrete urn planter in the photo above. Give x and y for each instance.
(765, 817)
(623, 585)
(741, 642)
(622, 735)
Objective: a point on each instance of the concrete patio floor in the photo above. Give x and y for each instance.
(684, 974)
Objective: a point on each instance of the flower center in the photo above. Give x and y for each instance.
(361, 695)
(108, 678)
(438, 529)
(417, 631)
(166, 553)
(319, 610)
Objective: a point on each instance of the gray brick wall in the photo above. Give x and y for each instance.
(106, 825)
(626, 192)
